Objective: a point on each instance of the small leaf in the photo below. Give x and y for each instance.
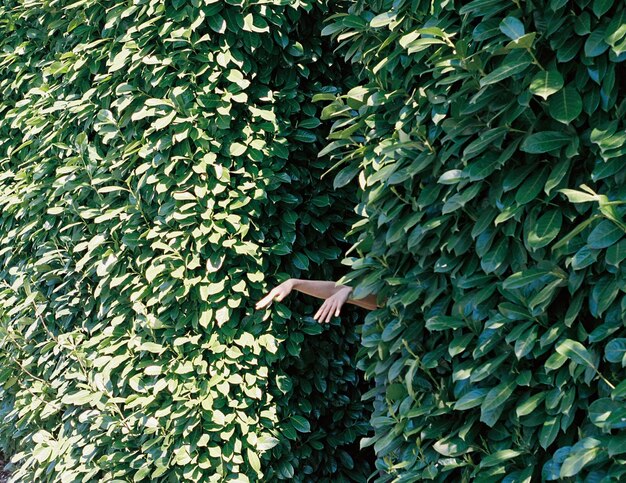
(575, 196)
(545, 141)
(580, 458)
(237, 149)
(615, 350)
(301, 424)
(566, 105)
(382, 19)
(512, 27)
(513, 64)
(575, 351)
(549, 431)
(546, 229)
(498, 396)
(498, 457)
(266, 442)
(595, 44)
(472, 399)
(546, 83)
(605, 234)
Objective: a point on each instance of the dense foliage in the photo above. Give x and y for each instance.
(489, 139)
(158, 171)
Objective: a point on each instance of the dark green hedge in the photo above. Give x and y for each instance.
(158, 172)
(490, 142)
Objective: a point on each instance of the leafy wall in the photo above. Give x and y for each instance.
(158, 172)
(490, 143)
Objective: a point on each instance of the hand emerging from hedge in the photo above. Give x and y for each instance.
(277, 293)
(332, 305)
(334, 295)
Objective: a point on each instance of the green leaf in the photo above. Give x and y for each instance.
(237, 149)
(607, 414)
(617, 445)
(579, 458)
(498, 396)
(605, 234)
(616, 253)
(600, 7)
(546, 83)
(498, 457)
(255, 23)
(595, 44)
(549, 431)
(545, 230)
(555, 361)
(301, 424)
(254, 460)
(545, 141)
(531, 187)
(528, 406)
(452, 176)
(615, 350)
(301, 261)
(163, 122)
(523, 278)
(383, 19)
(452, 447)
(575, 351)
(78, 398)
(488, 138)
(566, 105)
(151, 347)
(119, 61)
(556, 175)
(346, 175)
(526, 342)
(443, 322)
(512, 27)
(142, 473)
(513, 64)
(471, 399)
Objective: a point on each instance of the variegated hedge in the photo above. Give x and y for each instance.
(158, 171)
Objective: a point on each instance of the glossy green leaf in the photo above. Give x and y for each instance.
(546, 82)
(565, 105)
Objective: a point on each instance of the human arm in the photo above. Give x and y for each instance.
(335, 295)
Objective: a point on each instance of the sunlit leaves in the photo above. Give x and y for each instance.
(546, 82)
(155, 139)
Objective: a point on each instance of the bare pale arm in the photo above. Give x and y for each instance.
(324, 289)
(334, 295)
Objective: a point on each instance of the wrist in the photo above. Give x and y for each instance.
(294, 282)
(348, 291)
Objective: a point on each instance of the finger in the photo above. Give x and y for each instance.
(319, 313)
(267, 300)
(329, 314)
(319, 316)
(264, 302)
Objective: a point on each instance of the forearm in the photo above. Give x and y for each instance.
(317, 288)
(369, 302)
(324, 289)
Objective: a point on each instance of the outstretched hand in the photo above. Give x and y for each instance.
(335, 296)
(277, 293)
(332, 305)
